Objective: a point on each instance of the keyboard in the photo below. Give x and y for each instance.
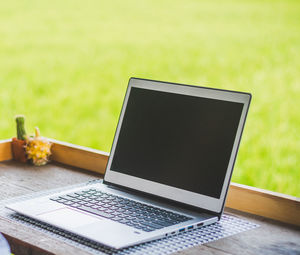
(123, 210)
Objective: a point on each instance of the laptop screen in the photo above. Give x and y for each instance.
(164, 135)
(179, 142)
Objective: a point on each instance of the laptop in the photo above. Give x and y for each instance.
(168, 171)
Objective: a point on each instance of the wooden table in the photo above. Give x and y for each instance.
(272, 237)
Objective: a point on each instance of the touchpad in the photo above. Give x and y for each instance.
(69, 218)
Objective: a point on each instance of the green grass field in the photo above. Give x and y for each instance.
(66, 64)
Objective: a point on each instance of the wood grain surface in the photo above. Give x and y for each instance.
(5, 150)
(18, 179)
(265, 203)
(78, 156)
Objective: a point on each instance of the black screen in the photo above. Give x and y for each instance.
(178, 140)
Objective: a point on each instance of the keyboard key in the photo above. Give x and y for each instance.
(73, 195)
(75, 205)
(95, 211)
(68, 203)
(123, 221)
(116, 218)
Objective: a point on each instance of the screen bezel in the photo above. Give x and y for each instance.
(166, 191)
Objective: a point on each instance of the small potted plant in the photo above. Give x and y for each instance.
(35, 149)
(19, 142)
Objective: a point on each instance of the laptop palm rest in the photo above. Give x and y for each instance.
(68, 218)
(93, 227)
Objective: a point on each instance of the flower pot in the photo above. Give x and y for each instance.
(18, 150)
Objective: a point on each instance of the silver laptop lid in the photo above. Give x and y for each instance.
(178, 141)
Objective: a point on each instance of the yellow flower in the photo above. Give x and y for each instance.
(38, 149)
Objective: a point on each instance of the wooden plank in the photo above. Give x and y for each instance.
(20, 247)
(17, 178)
(5, 150)
(264, 203)
(78, 156)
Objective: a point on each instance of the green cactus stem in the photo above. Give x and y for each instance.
(21, 133)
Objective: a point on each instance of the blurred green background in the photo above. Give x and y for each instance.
(66, 64)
